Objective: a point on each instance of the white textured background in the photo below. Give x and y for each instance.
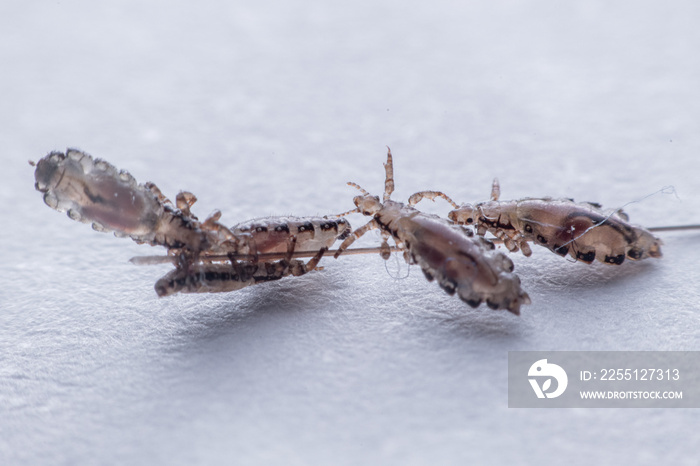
(269, 109)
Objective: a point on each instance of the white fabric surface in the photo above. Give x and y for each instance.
(269, 108)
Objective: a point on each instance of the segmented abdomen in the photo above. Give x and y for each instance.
(217, 278)
(272, 234)
(585, 232)
(94, 191)
(461, 264)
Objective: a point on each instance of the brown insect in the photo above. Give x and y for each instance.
(203, 277)
(207, 254)
(582, 230)
(462, 264)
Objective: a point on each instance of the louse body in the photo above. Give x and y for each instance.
(582, 230)
(217, 278)
(94, 191)
(271, 234)
(461, 264)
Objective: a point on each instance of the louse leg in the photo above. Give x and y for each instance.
(289, 266)
(184, 200)
(506, 239)
(495, 190)
(385, 249)
(513, 241)
(524, 247)
(419, 196)
(291, 246)
(353, 211)
(298, 268)
(239, 268)
(191, 277)
(212, 224)
(371, 225)
(151, 186)
(389, 180)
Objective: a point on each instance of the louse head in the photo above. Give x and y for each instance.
(368, 204)
(465, 215)
(47, 174)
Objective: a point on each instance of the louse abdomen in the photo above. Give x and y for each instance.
(93, 191)
(580, 230)
(462, 265)
(271, 234)
(209, 278)
(588, 235)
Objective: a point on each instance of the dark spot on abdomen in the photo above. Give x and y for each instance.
(284, 227)
(327, 226)
(615, 259)
(586, 257)
(308, 226)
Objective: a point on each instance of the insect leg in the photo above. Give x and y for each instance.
(298, 268)
(184, 200)
(212, 224)
(158, 193)
(389, 180)
(495, 190)
(385, 250)
(524, 247)
(371, 225)
(419, 196)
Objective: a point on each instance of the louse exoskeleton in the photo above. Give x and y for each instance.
(465, 265)
(94, 191)
(582, 230)
(216, 277)
(270, 234)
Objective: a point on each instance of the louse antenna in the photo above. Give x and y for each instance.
(355, 210)
(417, 197)
(357, 186)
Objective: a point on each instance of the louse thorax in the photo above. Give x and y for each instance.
(487, 215)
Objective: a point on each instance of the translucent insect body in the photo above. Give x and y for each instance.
(582, 230)
(94, 191)
(210, 257)
(461, 264)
